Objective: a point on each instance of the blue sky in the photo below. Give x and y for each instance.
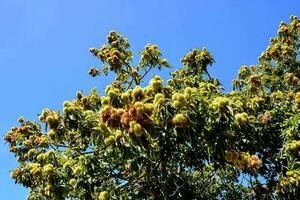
(44, 45)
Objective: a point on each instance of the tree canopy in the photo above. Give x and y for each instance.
(185, 138)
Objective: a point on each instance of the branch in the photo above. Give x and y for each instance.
(207, 74)
(146, 72)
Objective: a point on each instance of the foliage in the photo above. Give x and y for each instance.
(185, 139)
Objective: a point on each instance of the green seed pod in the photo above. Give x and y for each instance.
(36, 171)
(81, 158)
(52, 120)
(112, 93)
(67, 104)
(103, 195)
(158, 96)
(159, 101)
(103, 127)
(118, 134)
(49, 154)
(27, 143)
(211, 87)
(31, 152)
(78, 95)
(138, 130)
(148, 108)
(105, 100)
(176, 104)
(138, 104)
(109, 140)
(148, 90)
(72, 182)
(125, 97)
(41, 118)
(156, 84)
(241, 118)
(181, 98)
(47, 169)
(179, 120)
(51, 134)
(108, 88)
(21, 119)
(290, 173)
(175, 96)
(78, 170)
(41, 157)
(67, 164)
(137, 92)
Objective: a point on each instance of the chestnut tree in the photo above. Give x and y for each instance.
(183, 138)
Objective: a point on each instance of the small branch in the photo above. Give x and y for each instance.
(208, 74)
(130, 84)
(146, 72)
(129, 70)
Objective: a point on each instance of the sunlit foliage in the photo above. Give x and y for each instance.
(183, 138)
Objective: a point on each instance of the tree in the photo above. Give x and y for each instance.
(185, 139)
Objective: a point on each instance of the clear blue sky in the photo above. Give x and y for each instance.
(44, 45)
